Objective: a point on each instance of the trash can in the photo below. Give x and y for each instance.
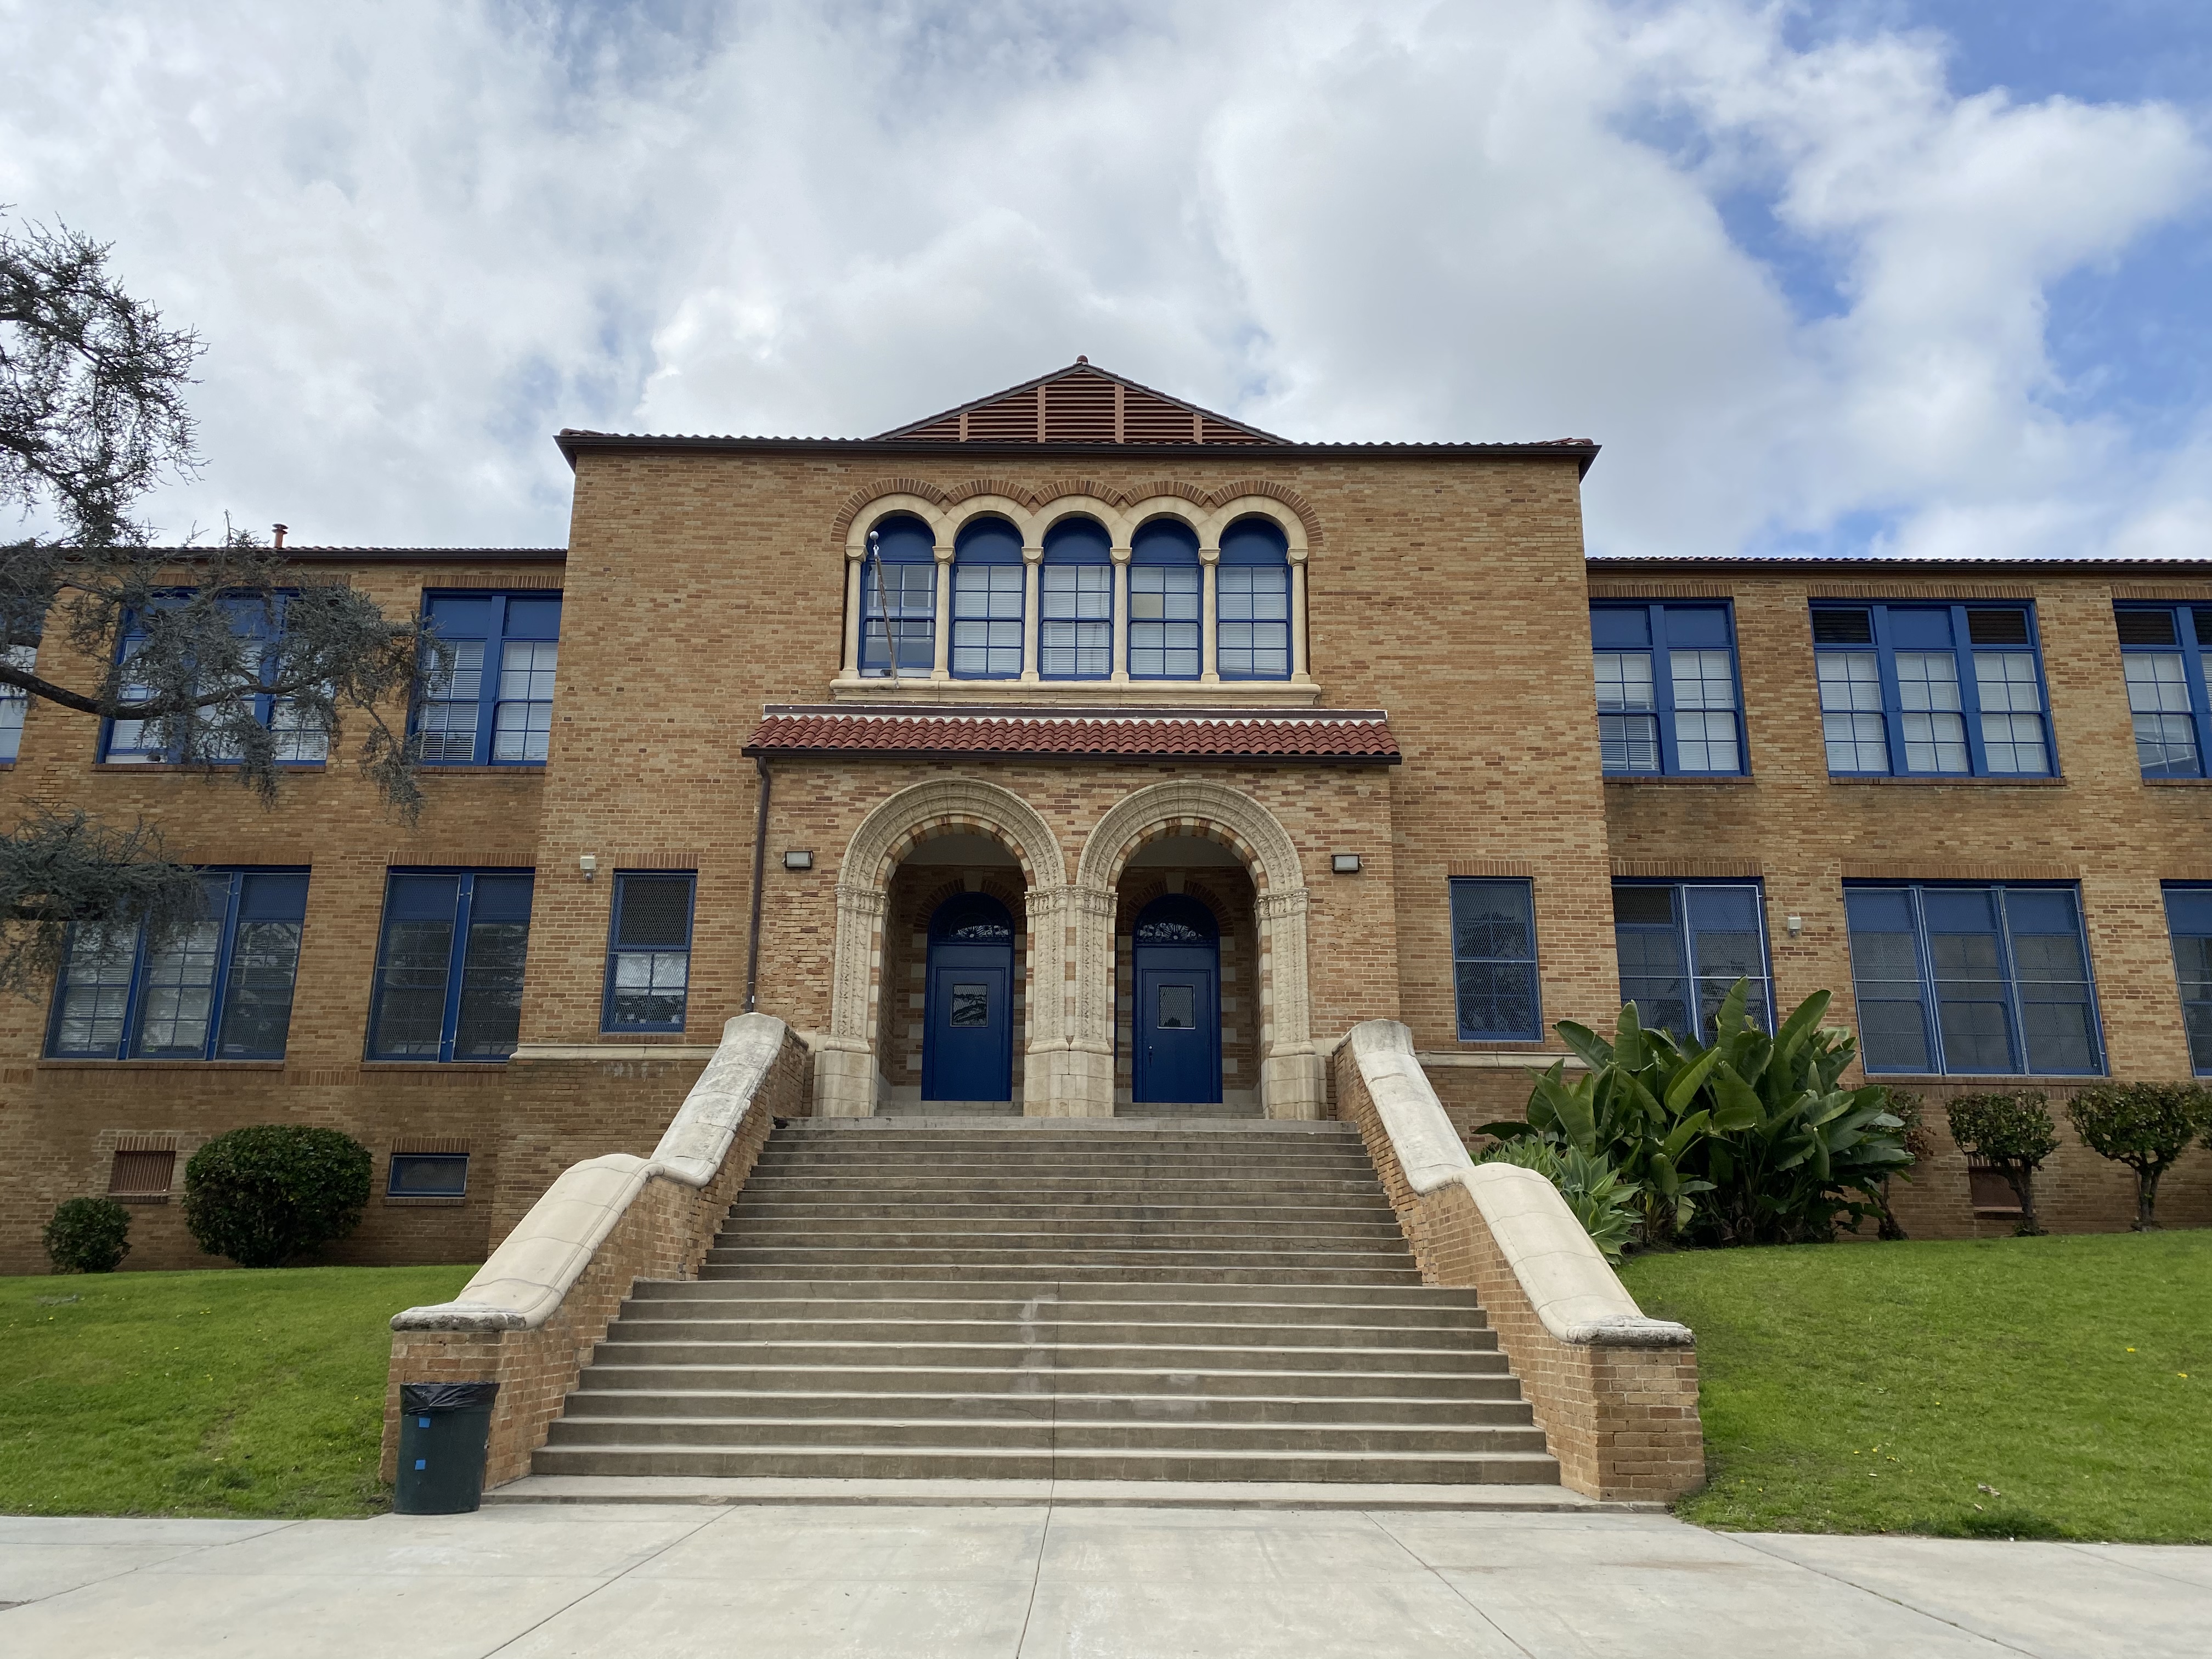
(444, 1428)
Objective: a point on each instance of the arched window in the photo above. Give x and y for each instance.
(1175, 919)
(971, 919)
(898, 592)
(1253, 640)
(987, 601)
(1075, 628)
(1164, 602)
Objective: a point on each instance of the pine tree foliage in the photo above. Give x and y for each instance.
(235, 662)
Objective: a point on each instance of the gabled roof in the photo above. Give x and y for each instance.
(1081, 404)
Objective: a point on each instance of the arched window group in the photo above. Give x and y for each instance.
(1077, 608)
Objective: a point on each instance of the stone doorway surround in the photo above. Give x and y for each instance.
(1068, 1061)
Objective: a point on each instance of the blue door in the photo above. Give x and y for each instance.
(1176, 1023)
(967, 1036)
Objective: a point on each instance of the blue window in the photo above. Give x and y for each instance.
(1667, 696)
(1252, 590)
(1940, 690)
(1973, 980)
(1684, 944)
(1494, 961)
(987, 580)
(1075, 630)
(1164, 602)
(493, 704)
(427, 1175)
(2189, 918)
(220, 990)
(449, 965)
(143, 742)
(898, 599)
(648, 952)
(2162, 653)
(13, 701)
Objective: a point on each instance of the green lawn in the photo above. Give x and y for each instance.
(2031, 1388)
(200, 1393)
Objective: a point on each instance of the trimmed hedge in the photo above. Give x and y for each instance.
(270, 1193)
(88, 1236)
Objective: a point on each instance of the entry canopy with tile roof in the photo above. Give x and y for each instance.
(1081, 404)
(1340, 737)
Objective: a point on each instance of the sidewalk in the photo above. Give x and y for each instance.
(528, 1581)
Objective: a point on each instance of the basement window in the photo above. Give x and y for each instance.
(427, 1175)
(141, 1172)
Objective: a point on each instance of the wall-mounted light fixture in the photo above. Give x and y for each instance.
(1795, 925)
(800, 858)
(1344, 863)
(589, 864)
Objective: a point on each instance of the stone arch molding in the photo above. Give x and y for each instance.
(846, 1062)
(1033, 509)
(1291, 1076)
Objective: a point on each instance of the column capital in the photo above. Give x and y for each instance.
(1033, 556)
(1120, 552)
(943, 551)
(1210, 554)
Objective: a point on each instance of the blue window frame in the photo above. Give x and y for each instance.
(1683, 945)
(898, 599)
(648, 951)
(1668, 699)
(1164, 600)
(1939, 690)
(1252, 591)
(988, 583)
(1494, 961)
(124, 743)
(2162, 650)
(427, 1175)
(1973, 980)
(2189, 920)
(493, 704)
(220, 990)
(449, 965)
(1075, 602)
(14, 702)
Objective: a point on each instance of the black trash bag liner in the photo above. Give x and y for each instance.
(445, 1396)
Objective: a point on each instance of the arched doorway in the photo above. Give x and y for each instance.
(1176, 992)
(968, 1031)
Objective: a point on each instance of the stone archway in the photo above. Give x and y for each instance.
(845, 1068)
(1292, 1084)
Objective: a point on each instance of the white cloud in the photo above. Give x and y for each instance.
(420, 238)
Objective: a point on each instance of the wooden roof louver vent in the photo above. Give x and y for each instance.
(1081, 404)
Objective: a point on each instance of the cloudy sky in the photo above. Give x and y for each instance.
(1923, 276)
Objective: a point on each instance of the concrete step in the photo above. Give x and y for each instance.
(912, 1231)
(1484, 1377)
(920, 1463)
(1009, 1432)
(738, 1264)
(769, 1204)
(828, 1353)
(939, 1259)
(1078, 1294)
(1048, 1310)
(600, 1401)
(1051, 1334)
(1435, 1498)
(907, 1186)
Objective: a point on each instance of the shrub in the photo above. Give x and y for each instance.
(88, 1236)
(2145, 1125)
(267, 1194)
(1604, 1203)
(2012, 1134)
(1746, 1140)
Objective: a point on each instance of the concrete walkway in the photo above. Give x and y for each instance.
(528, 1581)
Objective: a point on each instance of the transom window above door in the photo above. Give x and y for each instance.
(1078, 597)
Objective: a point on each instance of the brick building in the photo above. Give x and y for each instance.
(1080, 751)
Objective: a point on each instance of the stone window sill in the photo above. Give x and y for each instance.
(1124, 694)
(426, 1201)
(1642, 779)
(139, 1198)
(57, 1064)
(2176, 783)
(198, 769)
(441, 1068)
(513, 769)
(1947, 782)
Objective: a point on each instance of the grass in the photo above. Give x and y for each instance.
(225, 1394)
(2024, 1388)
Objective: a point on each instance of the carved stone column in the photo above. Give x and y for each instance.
(1079, 1061)
(1121, 615)
(941, 663)
(1291, 1080)
(1032, 620)
(845, 1065)
(1300, 673)
(1209, 627)
(853, 616)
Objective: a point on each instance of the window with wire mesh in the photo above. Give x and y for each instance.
(649, 955)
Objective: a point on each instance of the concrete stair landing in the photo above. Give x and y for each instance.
(1193, 1301)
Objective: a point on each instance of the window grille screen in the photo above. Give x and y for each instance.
(1842, 628)
(142, 1173)
(1996, 627)
(2146, 628)
(656, 910)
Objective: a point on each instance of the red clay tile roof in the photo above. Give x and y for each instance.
(1324, 737)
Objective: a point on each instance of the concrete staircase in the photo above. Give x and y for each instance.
(1128, 1300)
